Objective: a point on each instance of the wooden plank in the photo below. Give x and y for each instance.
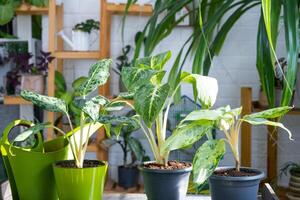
(60, 42)
(135, 9)
(272, 153)
(246, 102)
(27, 9)
(15, 100)
(51, 69)
(77, 54)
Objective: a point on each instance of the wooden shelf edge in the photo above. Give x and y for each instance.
(15, 100)
(134, 9)
(257, 108)
(77, 54)
(26, 9)
(92, 148)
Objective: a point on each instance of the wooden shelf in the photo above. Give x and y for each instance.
(133, 10)
(257, 108)
(77, 54)
(92, 148)
(15, 100)
(26, 9)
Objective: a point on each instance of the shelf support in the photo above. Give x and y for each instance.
(246, 102)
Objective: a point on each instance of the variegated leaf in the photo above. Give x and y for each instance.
(51, 104)
(200, 115)
(271, 113)
(115, 106)
(126, 95)
(261, 121)
(149, 100)
(158, 61)
(98, 75)
(92, 107)
(113, 119)
(185, 136)
(207, 159)
(31, 131)
(134, 77)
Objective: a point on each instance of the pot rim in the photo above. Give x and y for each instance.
(165, 171)
(103, 164)
(260, 175)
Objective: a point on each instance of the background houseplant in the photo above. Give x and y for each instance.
(294, 184)
(7, 8)
(29, 75)
(128, 173)
(81, 35)
(144, 81)
(216, 19)
(94, 114)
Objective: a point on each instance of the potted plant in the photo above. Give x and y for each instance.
(164, 179)
(29, 75)
(81, 35)
(128, 173)
(233, 182)
(8, 7)
(89, 174)
(294, 184)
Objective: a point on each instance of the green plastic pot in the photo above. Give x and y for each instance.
(29, 169)
(80, 183)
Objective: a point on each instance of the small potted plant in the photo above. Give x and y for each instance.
(164, 179)
(128, 173)
(293, 169)
(89, 174)
(233, 182)
(81, 35)
(30, 76)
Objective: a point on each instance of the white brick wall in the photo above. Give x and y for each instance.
(234, 68)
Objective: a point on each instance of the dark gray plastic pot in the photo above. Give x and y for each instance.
(165, 184)
(128, 176)
(235, 188)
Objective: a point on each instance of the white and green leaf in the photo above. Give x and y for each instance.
(271, 113)
(98, 75)
(207, 159)
(31, 131)
(149, 100)
(51, 104)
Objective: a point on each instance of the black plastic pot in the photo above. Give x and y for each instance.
(165, 184)
(128, 177)
(235, 188)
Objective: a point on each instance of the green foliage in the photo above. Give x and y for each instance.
(51, 104)
(98, 76)
(88, 26)
(206, 159)
(6, 12)
(89, 111)
(31, 131)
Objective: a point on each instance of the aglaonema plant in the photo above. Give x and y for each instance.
(94, 111)
(152, 99)
(229, 122)
(153, 96)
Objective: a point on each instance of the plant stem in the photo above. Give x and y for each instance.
(80, 156)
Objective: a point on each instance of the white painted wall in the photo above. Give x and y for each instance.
(234, 68)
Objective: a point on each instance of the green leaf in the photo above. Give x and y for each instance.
(126, 95)
(6, 13)
(149, 100)
(78, 82)
(207, 159)
(185, 136)
(39, 3)
(261, 121)
(158, 61)
(113, 119)
(136, 147)
(60, 83)
(98, 76)
(31, 131)
(51, 104)
(205, 88)
(206, 115)
(291, 24)
(115, 106)
(270, 113)
(134, 77)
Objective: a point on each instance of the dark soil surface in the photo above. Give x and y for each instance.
(235, 173)
(86, 164)
(172, 165)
